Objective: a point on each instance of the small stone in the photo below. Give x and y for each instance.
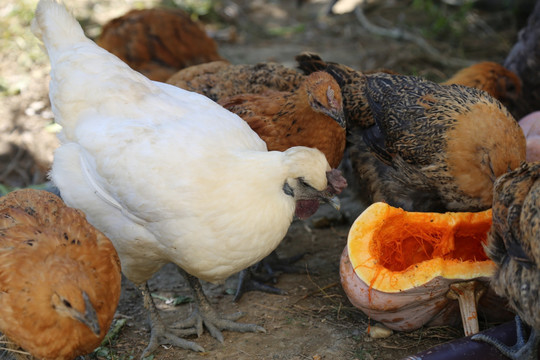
(379, 331)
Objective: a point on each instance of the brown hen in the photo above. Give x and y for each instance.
(220, 79)
(59, 277)
(513, 244)
(158, 42)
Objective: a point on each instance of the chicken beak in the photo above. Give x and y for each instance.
(339, 117)
(89, 318)
(335, 202)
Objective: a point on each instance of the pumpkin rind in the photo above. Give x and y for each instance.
(416, 295)
(367, 266)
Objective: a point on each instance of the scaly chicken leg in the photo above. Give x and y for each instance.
(160, 333)
(204, 314)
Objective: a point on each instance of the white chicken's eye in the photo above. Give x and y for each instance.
(288, 190)
(303, 182)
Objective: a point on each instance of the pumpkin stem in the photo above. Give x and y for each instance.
(467, 293)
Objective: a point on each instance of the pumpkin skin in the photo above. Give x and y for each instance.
(398, 266)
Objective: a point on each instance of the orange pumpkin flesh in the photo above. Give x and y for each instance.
(398, 266)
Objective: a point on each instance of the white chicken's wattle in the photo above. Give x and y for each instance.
(167, 174)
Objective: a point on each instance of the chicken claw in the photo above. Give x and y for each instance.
(204, 314)
(160, 333)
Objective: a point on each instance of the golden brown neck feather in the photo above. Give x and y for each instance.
(491, 77)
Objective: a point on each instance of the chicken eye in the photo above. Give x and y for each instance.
(66, 303)
(303, 182)
(318, 103)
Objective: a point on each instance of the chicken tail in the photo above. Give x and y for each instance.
(310, 62)
(56, 27)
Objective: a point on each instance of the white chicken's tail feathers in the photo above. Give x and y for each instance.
(55, 26)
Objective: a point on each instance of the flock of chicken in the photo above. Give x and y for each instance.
(208, 170)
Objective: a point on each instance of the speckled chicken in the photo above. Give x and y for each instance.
(158, 42)
(420, 145)
(433, 147)
(513, 244)
(501, 83)
(59, 277)
(524, 60)
(220, 79)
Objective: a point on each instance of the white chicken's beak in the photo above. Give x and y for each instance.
(335, 202)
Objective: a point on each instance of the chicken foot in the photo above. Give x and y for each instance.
(204, 314)
(160, 333)
(523, 349)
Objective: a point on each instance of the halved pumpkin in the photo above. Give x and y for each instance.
(406, 269)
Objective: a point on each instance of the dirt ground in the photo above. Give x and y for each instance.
(314, 320)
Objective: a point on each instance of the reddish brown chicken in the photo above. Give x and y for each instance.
(158, 42)
(420, 145)
(355, 107)
(59, 277)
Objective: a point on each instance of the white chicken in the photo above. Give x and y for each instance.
(169, 175)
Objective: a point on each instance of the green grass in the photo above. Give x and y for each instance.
(18, 45)
(446, 21)
(105, 350)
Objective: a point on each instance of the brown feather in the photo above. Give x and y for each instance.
(48, 249)
(221, 79)
(158, 42)
(501, 83)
